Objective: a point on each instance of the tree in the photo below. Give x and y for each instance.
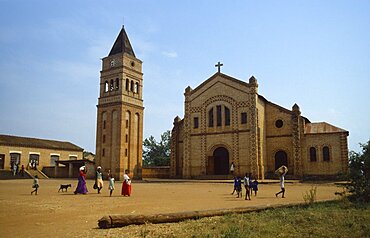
(359, 174)
(157, 153)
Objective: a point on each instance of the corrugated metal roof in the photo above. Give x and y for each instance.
(37, 143)
(321, 127)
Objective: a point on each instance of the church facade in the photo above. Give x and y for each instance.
(119, 132)
(226, 121)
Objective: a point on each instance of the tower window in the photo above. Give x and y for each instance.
(111, 85)
(244, 118)
(103, 138)
(210, 118)
(117, 83)
(104, 124)
(106, 86)
(103, 152)
(326, 153)
(136, 87)
(313, 157)
(127, 84)
(126, 123)
(196, 122)
(126, 152)
(219, 115)
(126, 138)
(227, 116)
(132, 86)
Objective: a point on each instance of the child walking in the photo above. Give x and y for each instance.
(239, 187)
(111, 184)
(255, 186)
(35, 185)
(235, 182)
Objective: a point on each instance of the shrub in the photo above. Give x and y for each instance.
(359, 174)
(310, 196)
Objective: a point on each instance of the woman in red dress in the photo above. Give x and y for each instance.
(126, 185)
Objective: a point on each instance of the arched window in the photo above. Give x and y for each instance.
(127, 84)
(281, 158)
(219, 115)
(313, 154)
(210, 117)
(326, 153)
(136, 87)
(111, 85)
(227, 116)
(132, 86)
(106, 86)
(117, 83)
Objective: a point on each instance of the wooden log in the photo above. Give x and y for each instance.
(125, 220)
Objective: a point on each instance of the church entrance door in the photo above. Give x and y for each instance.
(281, 158)
(221, 161)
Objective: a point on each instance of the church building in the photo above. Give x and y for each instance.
(119, 132)
(226, 120)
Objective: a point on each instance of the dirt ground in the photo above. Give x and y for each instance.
(53, 214)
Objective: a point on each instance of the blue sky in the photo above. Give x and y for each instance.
(313, 53)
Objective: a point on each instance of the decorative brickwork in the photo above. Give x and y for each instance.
(256, 131)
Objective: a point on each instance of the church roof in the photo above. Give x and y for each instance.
(222, 75)
(37, 143)
(321, 127)
(122, 44)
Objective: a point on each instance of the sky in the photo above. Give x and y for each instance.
(314, 53)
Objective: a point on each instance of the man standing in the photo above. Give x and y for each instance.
(99, 179)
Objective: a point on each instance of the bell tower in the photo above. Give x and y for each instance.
(119, 132)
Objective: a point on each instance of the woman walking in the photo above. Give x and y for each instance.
(81, 186)
(126, 185)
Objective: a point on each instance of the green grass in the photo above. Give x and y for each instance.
(330, 219)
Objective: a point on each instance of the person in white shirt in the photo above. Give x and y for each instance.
(246, 185)
(282, 186)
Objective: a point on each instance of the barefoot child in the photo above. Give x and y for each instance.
(239, 187)
(235, 181)
(111, 184)
(255, 186)
(35, 185)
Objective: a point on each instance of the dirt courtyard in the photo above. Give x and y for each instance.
(53, 214)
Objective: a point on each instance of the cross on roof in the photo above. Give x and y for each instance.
(218, 65)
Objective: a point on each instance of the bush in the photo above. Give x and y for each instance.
(359, 174)
(310, 196)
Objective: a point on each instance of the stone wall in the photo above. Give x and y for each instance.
(156, 172)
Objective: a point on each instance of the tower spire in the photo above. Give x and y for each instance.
(122, 44)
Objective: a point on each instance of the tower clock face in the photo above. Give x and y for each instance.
(112, 63)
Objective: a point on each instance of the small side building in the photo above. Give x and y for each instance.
(40, 152)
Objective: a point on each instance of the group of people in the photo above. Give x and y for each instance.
(82, 189)
(252, 186)
(15, 169)
(249, 185)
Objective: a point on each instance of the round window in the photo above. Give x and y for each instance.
(279, 123)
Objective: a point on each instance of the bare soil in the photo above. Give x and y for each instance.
(63, 214)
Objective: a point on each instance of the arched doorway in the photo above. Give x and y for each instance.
(281, 158)
(221, 161)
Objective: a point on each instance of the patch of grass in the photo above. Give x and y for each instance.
(329, 219)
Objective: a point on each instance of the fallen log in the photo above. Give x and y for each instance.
(125, 220)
